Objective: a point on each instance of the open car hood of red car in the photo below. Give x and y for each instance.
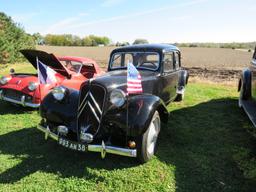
(46, 58)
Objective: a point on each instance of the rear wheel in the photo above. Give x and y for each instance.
(179, 97)
(147, 142)
(181, 94)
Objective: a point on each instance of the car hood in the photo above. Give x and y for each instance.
(46, 58)
(118, 79)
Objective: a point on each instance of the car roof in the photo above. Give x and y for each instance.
(146, 47)
(78, 59)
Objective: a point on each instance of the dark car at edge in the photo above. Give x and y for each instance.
(247, 89)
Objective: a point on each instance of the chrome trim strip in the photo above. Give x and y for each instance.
(96, 104)
(80, 112)
(1, 94)
(92, 109)
(81, 105)
(103, 149)
(48, 133)
(21, 102)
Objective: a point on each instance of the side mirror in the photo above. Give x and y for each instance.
(12, 71)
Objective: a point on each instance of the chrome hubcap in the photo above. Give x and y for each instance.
(154, 129)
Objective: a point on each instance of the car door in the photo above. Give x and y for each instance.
(253, 76)
(169, 77)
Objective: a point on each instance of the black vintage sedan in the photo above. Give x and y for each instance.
(102, 117)
(247, 88)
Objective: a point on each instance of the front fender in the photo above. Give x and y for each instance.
(63, 112)
(141, 110)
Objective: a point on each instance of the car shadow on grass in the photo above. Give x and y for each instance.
(8, 108)
(36, 154)
(204, 142)
(200, 141)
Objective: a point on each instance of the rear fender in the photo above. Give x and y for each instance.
(183, 79)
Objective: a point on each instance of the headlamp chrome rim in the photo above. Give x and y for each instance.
(32, 86)
(117, 97)
(4, 80)
(59, 93)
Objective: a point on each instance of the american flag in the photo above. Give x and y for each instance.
(46, 75)
(133, 80)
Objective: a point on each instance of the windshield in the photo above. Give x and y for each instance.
(141, 60)
(72, 65)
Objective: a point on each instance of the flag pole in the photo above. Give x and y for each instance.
(127, 105)
(39, 85)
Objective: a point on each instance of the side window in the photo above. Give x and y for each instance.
(168, 62)
(116, 61)
(177, 60)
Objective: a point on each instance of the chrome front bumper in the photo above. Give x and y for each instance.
(103, 149)
(21, 102)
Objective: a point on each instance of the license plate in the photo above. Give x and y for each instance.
(72, 145)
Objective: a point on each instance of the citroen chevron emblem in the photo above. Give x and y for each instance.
(93, 105)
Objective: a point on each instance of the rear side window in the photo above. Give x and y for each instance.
(177, 60)
(168, 62)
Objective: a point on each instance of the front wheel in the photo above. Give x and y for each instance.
(147, 142)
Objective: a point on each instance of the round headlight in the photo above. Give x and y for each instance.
(117, 97)
(4, 80)
(59, 93)
(32, 86)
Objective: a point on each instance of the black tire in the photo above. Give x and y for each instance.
(179, 97)
(146, 145)
(245, 91)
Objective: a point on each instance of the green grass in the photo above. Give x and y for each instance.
(204, 147)
(19, 68)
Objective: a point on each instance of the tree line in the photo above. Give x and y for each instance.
(74, 40)
(71, 40)
(244, 45)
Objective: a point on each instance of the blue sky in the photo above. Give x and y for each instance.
(125, 20)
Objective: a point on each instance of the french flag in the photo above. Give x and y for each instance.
(134, 85)
(46, 75)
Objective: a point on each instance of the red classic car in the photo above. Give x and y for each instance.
(24, 88)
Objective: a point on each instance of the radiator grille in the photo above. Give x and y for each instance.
(91, 104)
(16, 95)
